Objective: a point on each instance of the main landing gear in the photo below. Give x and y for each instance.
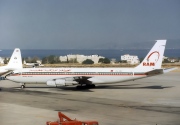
(86, 86)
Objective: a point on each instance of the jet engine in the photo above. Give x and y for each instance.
(61, 82)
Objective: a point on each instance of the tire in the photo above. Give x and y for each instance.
(22, 86)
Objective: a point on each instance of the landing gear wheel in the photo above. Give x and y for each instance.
(91, 86)
(81, 87)
(78, 87)
(22, 86)
(85, 86)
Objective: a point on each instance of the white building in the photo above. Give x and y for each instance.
(80, 58)
(172, 60)
(94, 58)
(164, 57)
(70, 56)
(63, 58)
(131, 59)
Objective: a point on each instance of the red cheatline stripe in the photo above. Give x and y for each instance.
(78, 75)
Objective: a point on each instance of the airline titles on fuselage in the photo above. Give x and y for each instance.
(50, 70)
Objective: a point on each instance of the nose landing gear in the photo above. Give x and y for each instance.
(23, 85)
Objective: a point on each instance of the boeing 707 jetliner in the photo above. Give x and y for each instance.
(150, 66)
(15, 62)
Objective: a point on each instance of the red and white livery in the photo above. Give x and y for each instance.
(150, 66)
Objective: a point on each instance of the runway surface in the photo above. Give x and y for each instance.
(150, 101)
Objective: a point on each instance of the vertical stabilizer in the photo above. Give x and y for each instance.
(154, 58)
(15, 61)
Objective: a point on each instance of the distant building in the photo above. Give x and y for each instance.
(173, 60)
(80, 58)
(94, 58)
(63, 58)
(164, 57)
(131, 59)
(70, 56)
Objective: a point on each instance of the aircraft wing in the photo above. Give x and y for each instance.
(66, 81)
(82, 79)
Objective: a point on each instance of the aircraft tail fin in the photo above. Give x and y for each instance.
(153, 59)
(15, 61)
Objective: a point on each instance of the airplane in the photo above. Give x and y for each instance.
(150, 66)
(33, 64)
(15, 62)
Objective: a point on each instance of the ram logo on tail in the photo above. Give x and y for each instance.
(152, 59)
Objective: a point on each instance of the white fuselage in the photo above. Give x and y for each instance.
(95, 75)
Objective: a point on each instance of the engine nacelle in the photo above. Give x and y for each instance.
(51, 83)
(61, 82)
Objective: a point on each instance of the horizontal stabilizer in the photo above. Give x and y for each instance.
(154, 72)
(169, 70)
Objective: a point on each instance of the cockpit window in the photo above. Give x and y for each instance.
(11, 73)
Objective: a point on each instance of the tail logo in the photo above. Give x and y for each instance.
(152, 59)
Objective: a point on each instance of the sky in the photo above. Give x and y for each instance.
(88, 24)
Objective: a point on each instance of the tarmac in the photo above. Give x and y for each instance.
(149, 101)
